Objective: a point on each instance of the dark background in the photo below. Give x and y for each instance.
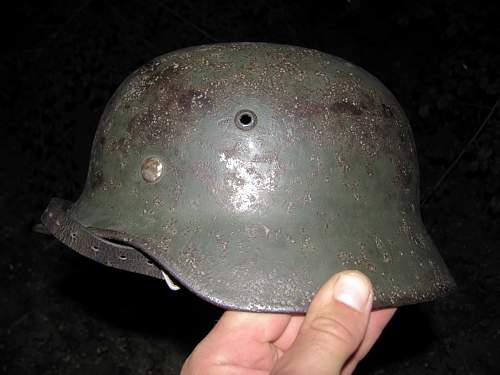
(61, 61)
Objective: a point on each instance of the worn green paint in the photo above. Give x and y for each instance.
(259, 219)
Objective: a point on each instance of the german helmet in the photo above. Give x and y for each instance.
(249, 173)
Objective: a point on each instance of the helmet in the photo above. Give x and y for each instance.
(250, 173)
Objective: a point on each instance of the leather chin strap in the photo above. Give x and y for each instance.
(73, 234)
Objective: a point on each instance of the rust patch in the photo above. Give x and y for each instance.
(266, 157)
(160, 107)
(102, 140)
(96, 178)
(222, 243)
(117, 144)
(387, 111)
(236, 150)
(193, 99)
(404, 175)
(342, 108)
(367, 101)
(95, 174)
(171, 116)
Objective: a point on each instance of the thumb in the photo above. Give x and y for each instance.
(333, 328)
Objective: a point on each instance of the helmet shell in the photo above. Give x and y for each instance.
(252, 172)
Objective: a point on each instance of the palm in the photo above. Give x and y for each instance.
(250, 343)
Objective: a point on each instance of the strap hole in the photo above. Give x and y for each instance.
(122, 257)
(95, 248)
(73, 235)
(149, 262)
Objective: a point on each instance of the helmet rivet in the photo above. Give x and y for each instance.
(151, 169)
(245, 120)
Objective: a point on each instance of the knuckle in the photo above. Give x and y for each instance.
(328, 329)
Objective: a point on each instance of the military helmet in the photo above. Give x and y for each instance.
(250, 173)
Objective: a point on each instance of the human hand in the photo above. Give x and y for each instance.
(336, 333)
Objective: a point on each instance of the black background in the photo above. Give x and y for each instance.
(61, 61)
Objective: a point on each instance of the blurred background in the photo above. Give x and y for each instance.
(61, 61)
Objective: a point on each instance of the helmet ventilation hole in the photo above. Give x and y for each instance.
(245, 120)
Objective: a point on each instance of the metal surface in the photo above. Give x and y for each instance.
(151, 169)
(256, 213)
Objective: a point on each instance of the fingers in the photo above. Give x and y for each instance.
(376, 324)
(254, 326)
(333, 327)
(286, 340)
(238, 340)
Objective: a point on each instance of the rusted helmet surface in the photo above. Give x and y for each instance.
(250, 173)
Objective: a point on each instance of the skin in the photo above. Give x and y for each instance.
(337, 332)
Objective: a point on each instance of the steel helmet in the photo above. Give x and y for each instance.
(250, 173)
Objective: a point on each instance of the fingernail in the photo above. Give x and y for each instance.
(352, 290)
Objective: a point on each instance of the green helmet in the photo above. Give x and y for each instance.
(250, 173)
